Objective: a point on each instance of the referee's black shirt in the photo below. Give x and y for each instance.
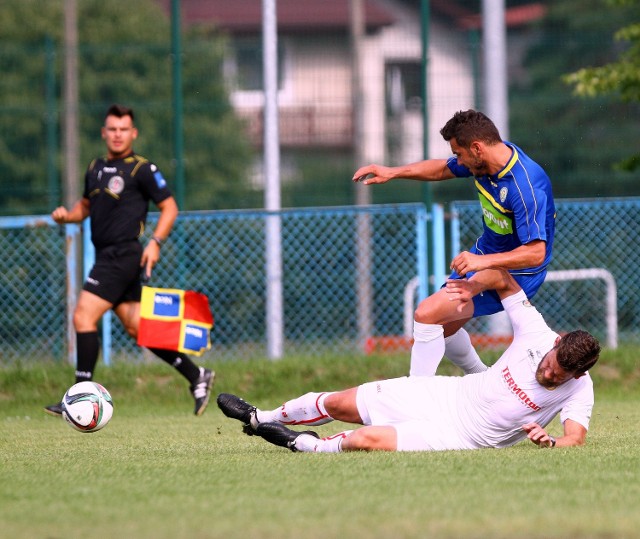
(119, 191)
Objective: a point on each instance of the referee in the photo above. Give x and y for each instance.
(117, 191)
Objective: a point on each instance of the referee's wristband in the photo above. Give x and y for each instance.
(157, 240)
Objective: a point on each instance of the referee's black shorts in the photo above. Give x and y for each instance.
(115, 276)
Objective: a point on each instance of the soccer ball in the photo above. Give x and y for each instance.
(87, 406)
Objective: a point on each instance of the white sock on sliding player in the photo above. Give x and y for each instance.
(305, 410)
(310, 444)
(460, 351)
(427, 350)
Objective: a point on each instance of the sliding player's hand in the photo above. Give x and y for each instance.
(460, 290)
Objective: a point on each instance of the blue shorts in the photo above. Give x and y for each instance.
(489, 302)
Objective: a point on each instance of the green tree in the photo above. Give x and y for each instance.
(578, 141)
(124, 56)
(620, 77)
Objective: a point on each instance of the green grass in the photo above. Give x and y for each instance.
(156, 471)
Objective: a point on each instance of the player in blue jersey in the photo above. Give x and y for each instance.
(518, 226)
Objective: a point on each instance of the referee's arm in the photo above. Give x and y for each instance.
(79, 212)
(151, 254)
(168, 214)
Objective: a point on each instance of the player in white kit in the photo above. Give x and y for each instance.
(540, 375)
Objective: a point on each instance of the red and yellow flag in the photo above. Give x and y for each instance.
(174, 319)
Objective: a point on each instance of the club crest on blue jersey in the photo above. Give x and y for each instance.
(503, 194)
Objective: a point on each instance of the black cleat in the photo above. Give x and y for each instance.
(278, 434)
(201, 390)
(237, 408)
(54, 409)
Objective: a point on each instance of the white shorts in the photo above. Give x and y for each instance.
(421, 409)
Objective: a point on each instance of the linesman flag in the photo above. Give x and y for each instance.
(175, 320)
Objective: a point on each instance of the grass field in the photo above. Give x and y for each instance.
(157, 471)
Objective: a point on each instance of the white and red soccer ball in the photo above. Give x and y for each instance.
(87, 406)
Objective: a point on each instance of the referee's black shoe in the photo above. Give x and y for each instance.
(201, 390)
(278, 434)
(54, 409)
(237, 408)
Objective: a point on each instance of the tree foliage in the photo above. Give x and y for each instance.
(124, 55)
(620, 77)
(578, 141)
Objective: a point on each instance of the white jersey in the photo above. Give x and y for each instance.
(486, 409)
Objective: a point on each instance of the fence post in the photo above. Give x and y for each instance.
(88, 260)
(72, 258)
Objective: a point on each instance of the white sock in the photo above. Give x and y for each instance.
(331, 444)
(427, 350)
(305, 410)
(460, 351)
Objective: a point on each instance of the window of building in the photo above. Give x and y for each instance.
(245, 66)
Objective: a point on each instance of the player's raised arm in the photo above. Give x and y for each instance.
(430, 170)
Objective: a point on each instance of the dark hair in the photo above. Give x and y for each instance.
(469, 125)
(577, 351)
(120, 111)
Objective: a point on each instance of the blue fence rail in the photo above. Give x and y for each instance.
(223, 255)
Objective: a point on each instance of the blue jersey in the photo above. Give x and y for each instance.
(517, 206)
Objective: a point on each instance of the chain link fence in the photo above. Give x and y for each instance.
(602, 234)
(32, 289)
(223, 255)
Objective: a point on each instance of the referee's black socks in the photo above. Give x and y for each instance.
(88, 346)
(180, 362)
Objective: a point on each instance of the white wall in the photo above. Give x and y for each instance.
(317, 76)
(450, 78)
